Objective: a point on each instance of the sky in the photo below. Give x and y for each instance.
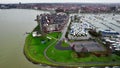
(60, 1)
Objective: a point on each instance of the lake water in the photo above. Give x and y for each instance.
(13, 25)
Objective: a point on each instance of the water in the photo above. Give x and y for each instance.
(13, 25)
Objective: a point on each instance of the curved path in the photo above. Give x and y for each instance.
(65, 29)
(46, 51)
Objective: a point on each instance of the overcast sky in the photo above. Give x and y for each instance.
(60, 1)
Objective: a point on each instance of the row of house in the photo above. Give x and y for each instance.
(53, 22)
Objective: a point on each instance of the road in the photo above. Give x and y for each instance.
(63, 36)
(65, 29)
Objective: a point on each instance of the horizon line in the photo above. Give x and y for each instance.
(65, 3)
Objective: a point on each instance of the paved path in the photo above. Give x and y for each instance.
(58, 45)
(65, 29)
(63, 36)
(46, 51)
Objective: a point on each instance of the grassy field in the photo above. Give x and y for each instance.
(69, 56)
(34, 47)
(55, 35)
(58, 55)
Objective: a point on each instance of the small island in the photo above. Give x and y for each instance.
(72, 40)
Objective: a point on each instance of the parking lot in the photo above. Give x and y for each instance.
(78, 31)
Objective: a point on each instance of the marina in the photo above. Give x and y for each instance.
(105, 21)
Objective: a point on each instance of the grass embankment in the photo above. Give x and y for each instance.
(70, 57)
(34, 48)
(34, 51)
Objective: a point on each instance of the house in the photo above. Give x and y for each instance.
(79, 48)
(53, 22)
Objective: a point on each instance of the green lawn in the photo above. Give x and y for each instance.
(64, 44)
(93, 58)
(55, 34)
(34, 48)
(67, 56)
(58, 55)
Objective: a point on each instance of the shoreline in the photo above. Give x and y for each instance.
(60, 64)
(29, 58)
